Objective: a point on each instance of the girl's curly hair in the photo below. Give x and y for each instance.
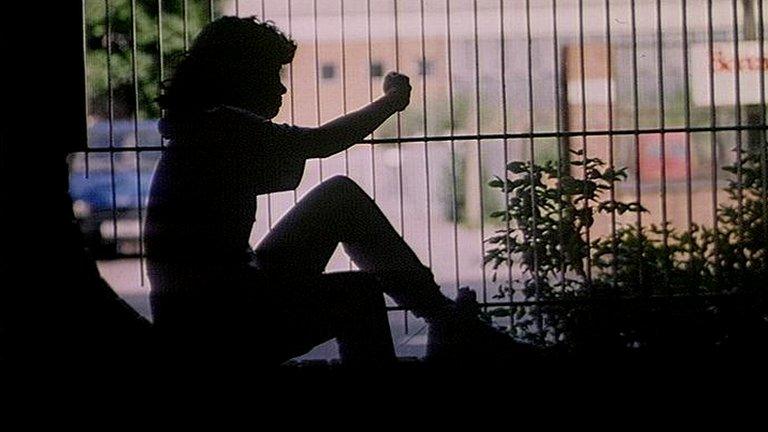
(226, 50)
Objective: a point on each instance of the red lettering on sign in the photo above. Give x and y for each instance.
(720, 63)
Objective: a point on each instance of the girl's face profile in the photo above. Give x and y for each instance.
(266, 92)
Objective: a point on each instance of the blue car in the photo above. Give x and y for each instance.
(108, 187)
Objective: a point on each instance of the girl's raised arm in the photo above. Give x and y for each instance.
(343, 132)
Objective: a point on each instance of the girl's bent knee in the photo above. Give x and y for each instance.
(341, 183)
(340, 180)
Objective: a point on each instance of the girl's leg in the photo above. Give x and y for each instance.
(339, 211)
(335, 211)
(342, 305)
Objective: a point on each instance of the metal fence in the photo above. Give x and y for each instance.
(666, 88)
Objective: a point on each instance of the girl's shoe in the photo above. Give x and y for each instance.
(417, 291)
(462, 338)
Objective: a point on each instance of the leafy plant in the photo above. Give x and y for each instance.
(547, 215)
(654, 288)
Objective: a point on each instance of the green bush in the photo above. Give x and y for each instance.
(651, 288)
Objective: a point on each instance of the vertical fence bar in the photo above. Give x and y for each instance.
(160, 60)
(663, 137)
(506, 160)
(636, 127)
(87, 154)
(763, 143)
(582, 83)
(662, 143)
(211, 15)
(370, 95)
(426, 132)
(185, 24)
(612, 191)
(111, 115)
(560, 141)
(451, 115)
(737, 112)
(398, 121)
(317, 79)
(478, 128)
(270, 222)
(687, 115)
(344, 91)
(344, 80)
(713, 135)
(426, 151)
(137, 144)
(532, 149)
(290, 82)
(237, 7)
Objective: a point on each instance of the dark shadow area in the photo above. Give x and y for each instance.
(56, 313)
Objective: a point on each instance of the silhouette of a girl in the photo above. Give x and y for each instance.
(209, 288)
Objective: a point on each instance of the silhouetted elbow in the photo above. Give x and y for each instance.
(327, 142)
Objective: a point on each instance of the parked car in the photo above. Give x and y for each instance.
(108, 191)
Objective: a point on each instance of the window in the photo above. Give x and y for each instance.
(377, 69)
(425, 67)
(328, 71)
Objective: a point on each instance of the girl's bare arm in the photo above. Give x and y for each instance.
(343, 132)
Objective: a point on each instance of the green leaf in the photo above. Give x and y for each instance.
(496, 182)
(517, 167)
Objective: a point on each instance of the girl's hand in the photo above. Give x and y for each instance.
(398, 90)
